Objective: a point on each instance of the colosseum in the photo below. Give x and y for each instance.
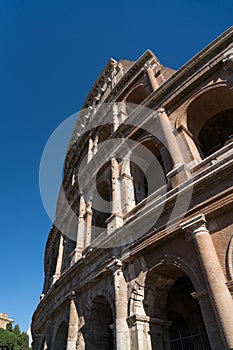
(140, 255)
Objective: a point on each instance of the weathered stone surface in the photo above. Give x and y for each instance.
(126, 280)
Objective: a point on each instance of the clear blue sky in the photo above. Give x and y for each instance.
(51, 54)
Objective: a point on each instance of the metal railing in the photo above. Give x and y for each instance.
(189, 339)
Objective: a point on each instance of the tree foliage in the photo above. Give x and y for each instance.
(13, 339)
(8, 340)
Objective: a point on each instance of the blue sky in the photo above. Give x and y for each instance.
(51, 52)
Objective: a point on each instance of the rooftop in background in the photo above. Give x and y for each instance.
(4, 320)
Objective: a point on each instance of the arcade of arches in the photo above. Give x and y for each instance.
(144, 261)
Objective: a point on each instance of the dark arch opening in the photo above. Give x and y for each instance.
(135, 98)
(187, 330)
(152, 177)
(101, 206)
(168, 298)
(61, 337)
(98, 329)
(216, 132)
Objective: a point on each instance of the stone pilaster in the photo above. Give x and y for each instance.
(89, 215)
(90, 150)
(127, 187)
(140, 332)
(219, 294)
(59, 259)
(115, 119)
(81, 229)
(122, 113)
(115, 220)
(95, 144)
(73, 324)
(149, 333)
(121, 306)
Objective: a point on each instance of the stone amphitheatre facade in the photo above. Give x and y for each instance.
(140, 254)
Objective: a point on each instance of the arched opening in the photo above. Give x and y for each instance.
(69, 246)
(175, 318)
(135, 97)
(210, 120)
(61, 337)
(101, 200)
(147, 169)
(98, 329)
(216, 132)
(187, 329)
(51, 263)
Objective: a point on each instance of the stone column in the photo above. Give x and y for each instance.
(73, 325)
(219, 294)
(168, 138)
(115, 120)
(59, 259)
(127, 187)
(115, 220)
(95, 145)
(150, 70)
(90, 150)
(81, 229)
(121, 306)
(152, 80)
(122, 113)
(88, 224)
(165, 134)
(116, 201)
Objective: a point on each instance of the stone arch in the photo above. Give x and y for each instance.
(172, 260)
(208, 107)
(97, 331)
(169, 305)
(135, 96)
(145, 180)
(60, 340)
(138, 291)
(152, 299)
(205, 92)
(102, 292)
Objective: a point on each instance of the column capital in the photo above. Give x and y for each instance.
(72, 295)
(115, 265)
(133, 319)
(228, 58)
(194, 223)
(161, 110)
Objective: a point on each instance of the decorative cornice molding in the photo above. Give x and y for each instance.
(193, 223)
